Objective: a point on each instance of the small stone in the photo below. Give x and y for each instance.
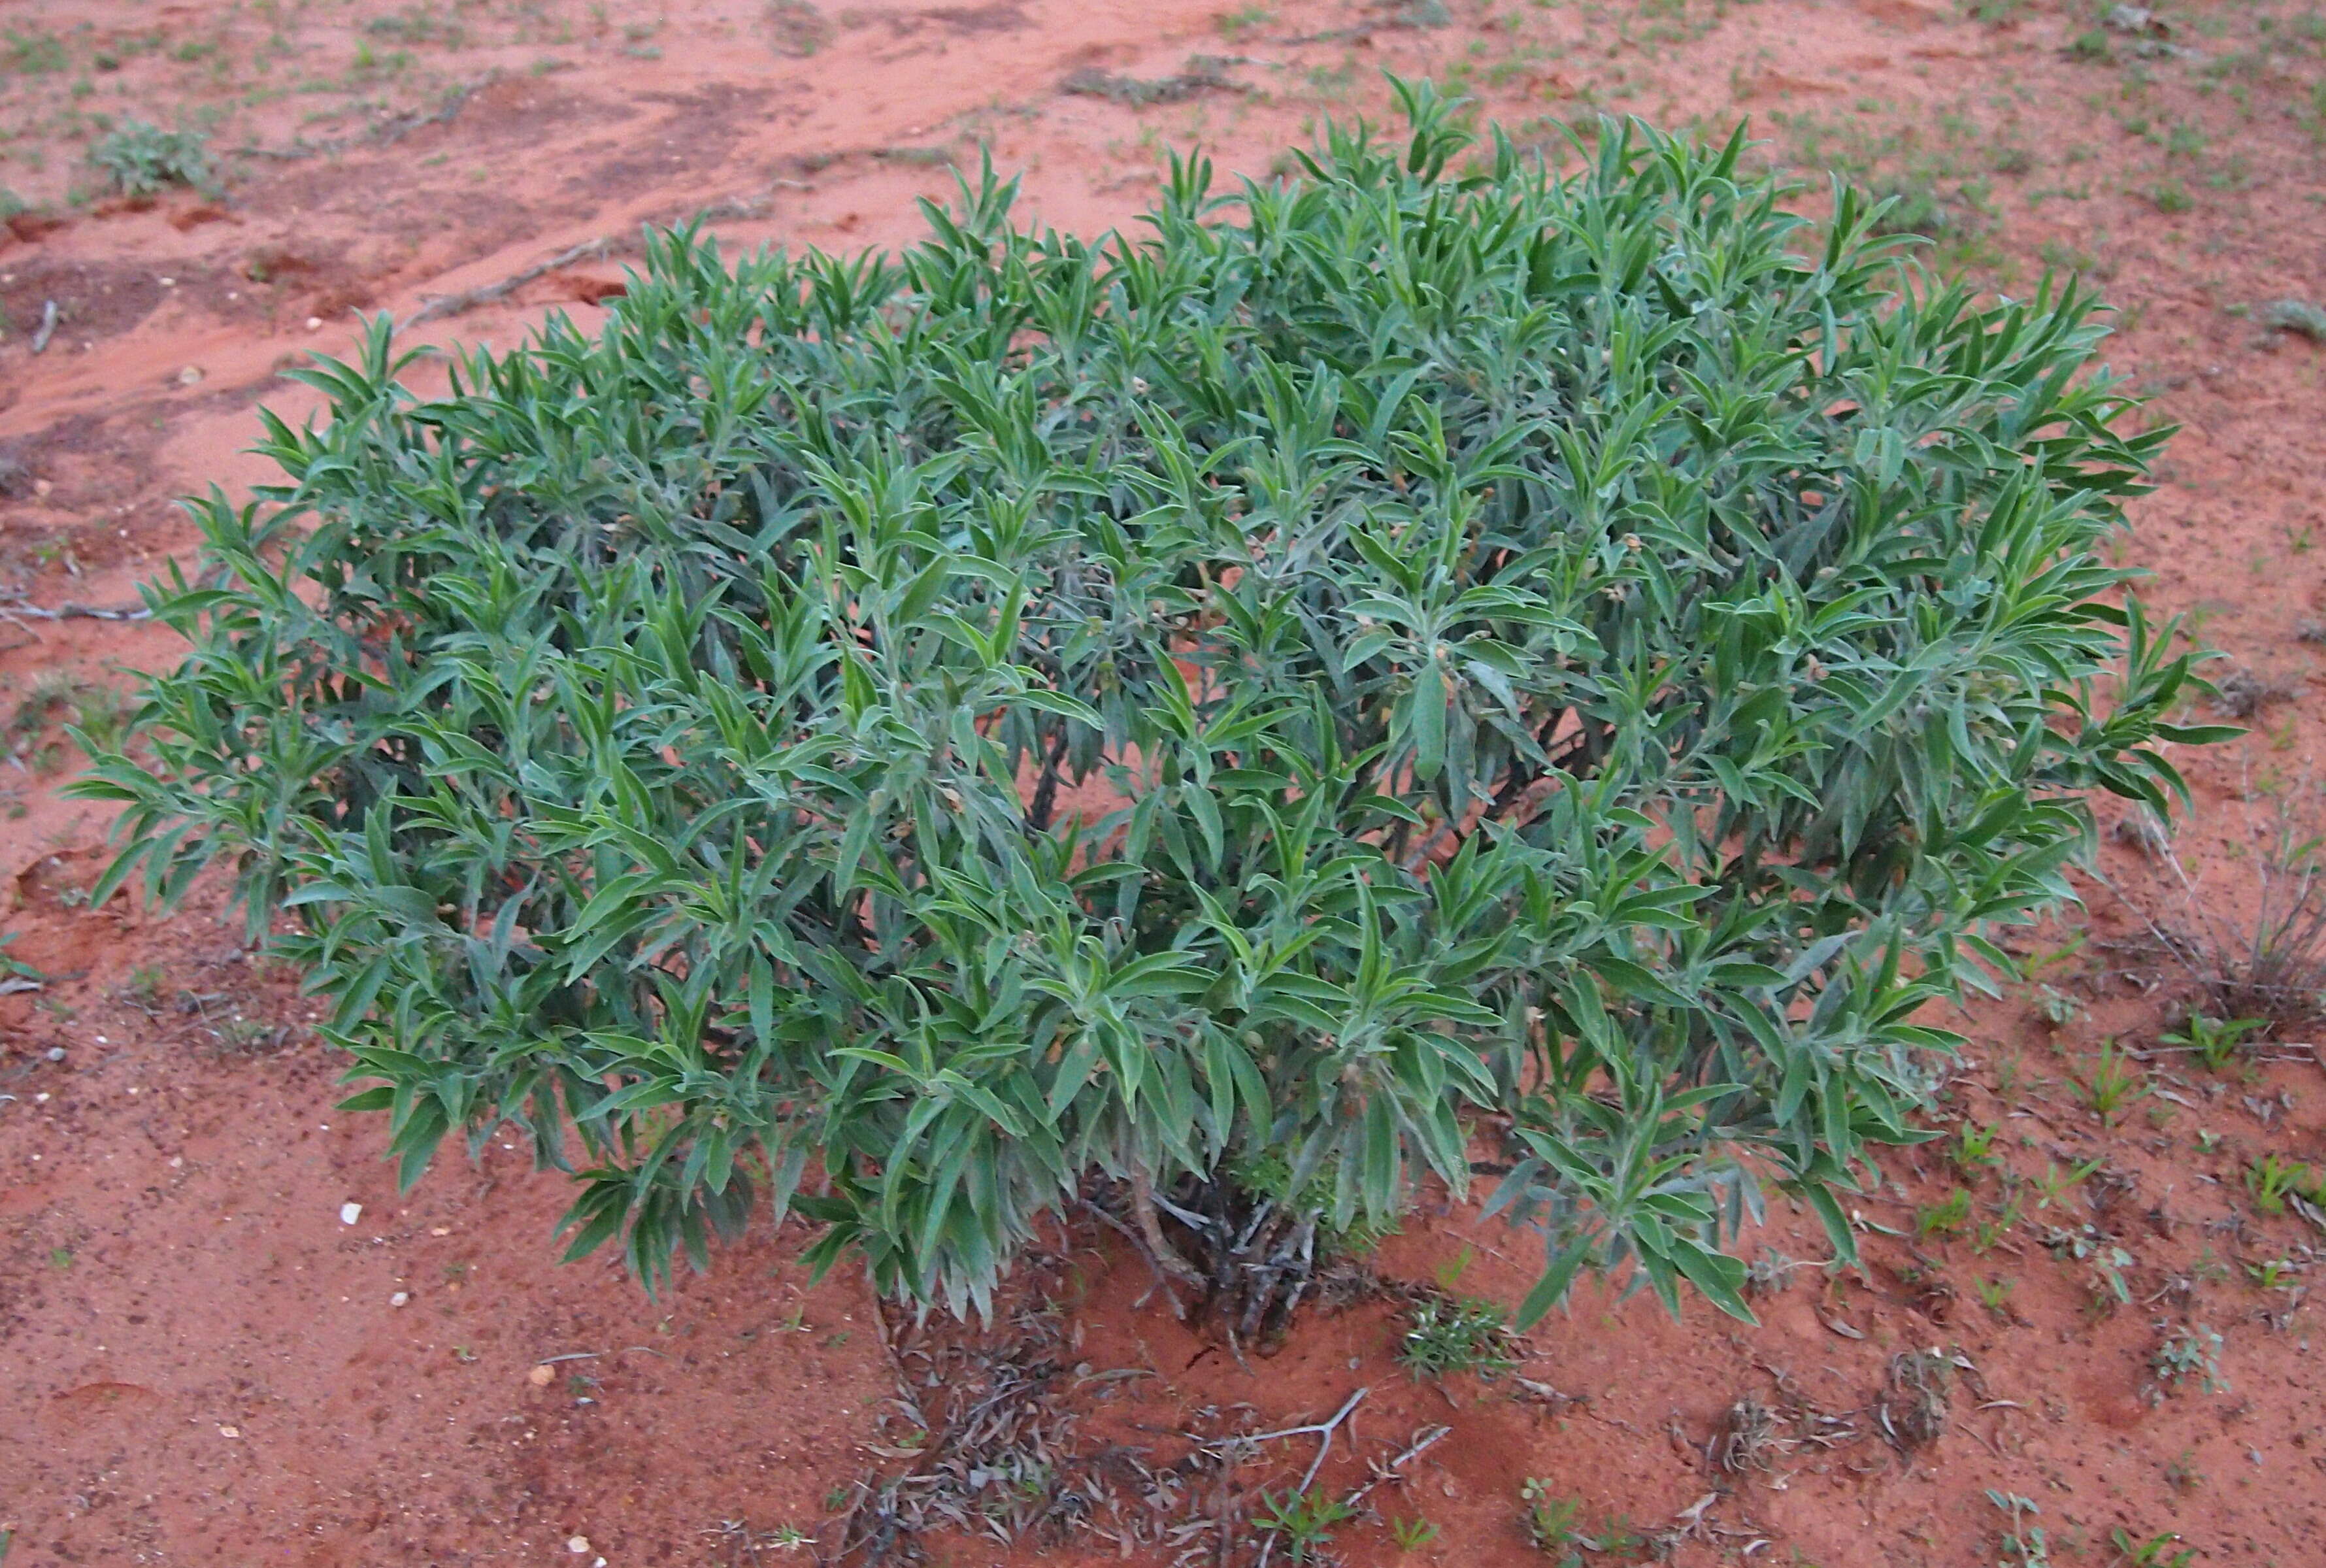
(315, 323)
(56, 1053)
(577, 1544)
(191, 376)
(440, 1230)
(540, 1377)
(169, 283)
(400, 1298)
(41, 487)
(229, 1432)
(350, 1213)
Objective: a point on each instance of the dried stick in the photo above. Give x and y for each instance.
(453, 304)
(1325, 1430)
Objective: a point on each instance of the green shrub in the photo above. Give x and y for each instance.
(144, 159)
(1182, 721)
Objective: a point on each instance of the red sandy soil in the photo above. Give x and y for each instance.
(200, 1364)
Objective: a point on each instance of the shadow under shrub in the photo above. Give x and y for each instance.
(1541, 646)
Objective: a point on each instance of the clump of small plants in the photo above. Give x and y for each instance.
(926, 743)
(1447, 1335)
(142, 159)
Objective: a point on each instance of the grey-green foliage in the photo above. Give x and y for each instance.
(142, 159)
(1212, 706)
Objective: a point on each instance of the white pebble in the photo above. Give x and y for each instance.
(350, 1213)
(399, 1298)
(577, 1544)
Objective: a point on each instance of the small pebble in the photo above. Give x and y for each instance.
(540, 1377)
(56, 1053)
(169, 283)
(577, 1544)
(229, 1432)
(350, 1213)
(191, 376)
(399, 1299)
(315, 323)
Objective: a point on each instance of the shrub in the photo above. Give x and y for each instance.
(1181, 721)
(145, 160)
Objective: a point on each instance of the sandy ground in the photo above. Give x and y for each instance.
(201, 1363)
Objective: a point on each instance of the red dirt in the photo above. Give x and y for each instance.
(199, 1364)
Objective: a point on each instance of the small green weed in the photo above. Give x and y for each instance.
(2212, 1040)
(1411, 1535)
(2055, 1184)
(2024, 1546)
(1944, 1219)
(1304, 1521)
(2192, 1351)
(1551, 1519)
(2273, 1178)
(144, 159)
(2170, 197)
(2115, 1081)
(2156, 1552)
(1443, 1337)
(1973, 1148)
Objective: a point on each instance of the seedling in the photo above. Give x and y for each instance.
(2190, 1351)
(1411, 1535)
(2107, 1288)
(1450, 1271)
(2212, 1040)
(2115, 1081)
(1770, 1271)
(2273, 1178)
(1973, 1148)
(2024, 1546)
(2156, 1552)
(2275, 1275)
(2055, 1184)
(1552, 1519)
(1944, 1219)
(1303, 1520)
